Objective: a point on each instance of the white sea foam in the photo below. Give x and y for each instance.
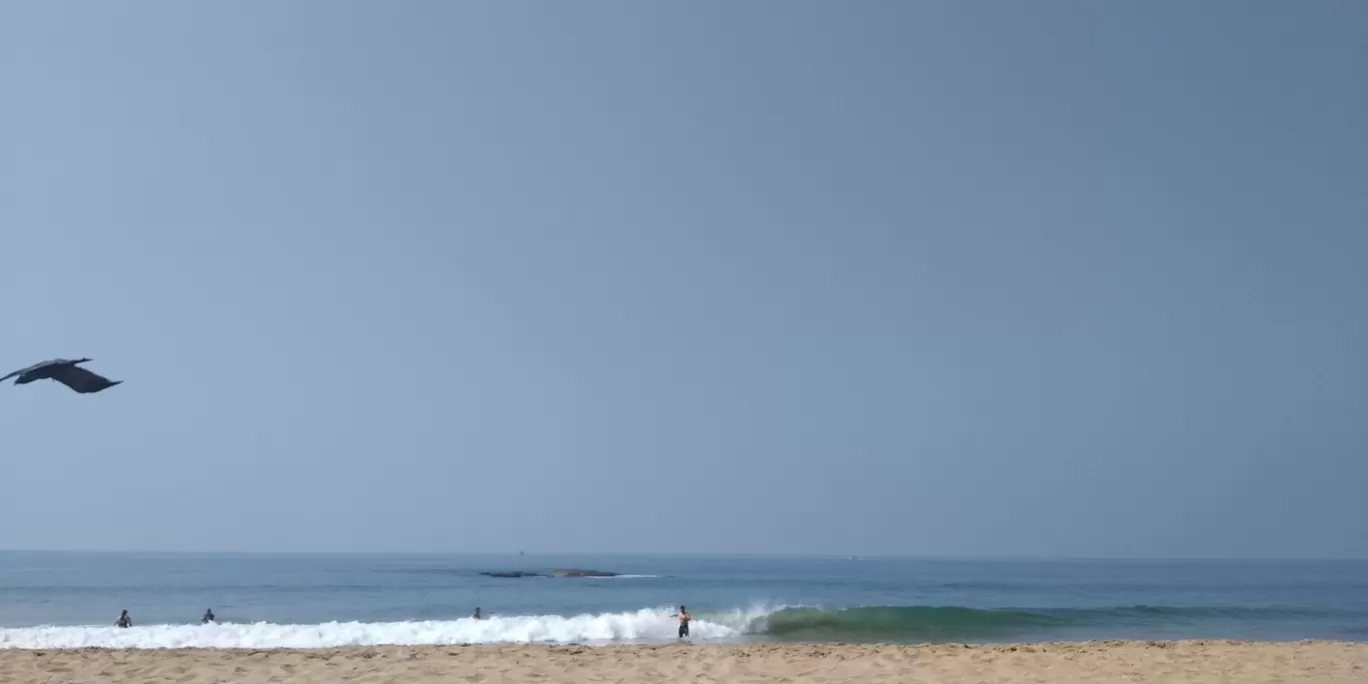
(649, 625)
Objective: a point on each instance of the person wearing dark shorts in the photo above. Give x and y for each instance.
(683, 616)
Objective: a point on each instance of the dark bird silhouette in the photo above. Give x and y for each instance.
(65, 371)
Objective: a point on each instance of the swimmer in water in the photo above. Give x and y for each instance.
(477, 613)
(208, 616)
(124, 620)
(683, 616)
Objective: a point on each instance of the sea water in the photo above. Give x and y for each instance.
(63, 600)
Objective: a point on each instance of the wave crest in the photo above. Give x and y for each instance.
(643, 625)
(651, 625)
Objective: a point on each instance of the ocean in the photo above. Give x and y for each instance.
(66, 600)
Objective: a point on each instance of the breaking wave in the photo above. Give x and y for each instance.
(640, 626)
(783, 623)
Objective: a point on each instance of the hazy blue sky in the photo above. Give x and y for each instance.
(1046, 278)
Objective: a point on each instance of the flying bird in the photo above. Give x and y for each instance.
(65, 371)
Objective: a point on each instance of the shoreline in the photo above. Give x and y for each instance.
(1059, 644)
(1197, 661)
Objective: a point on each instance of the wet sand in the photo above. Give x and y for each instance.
(1204, 662)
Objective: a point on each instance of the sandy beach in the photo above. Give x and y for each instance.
(1170, 662)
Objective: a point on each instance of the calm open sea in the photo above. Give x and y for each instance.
(50, 600)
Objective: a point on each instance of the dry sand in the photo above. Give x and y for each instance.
(1193, 661)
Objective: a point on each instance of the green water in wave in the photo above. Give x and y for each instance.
(956, 623)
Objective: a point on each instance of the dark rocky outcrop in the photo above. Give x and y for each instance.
(569, 572)
(574, 572)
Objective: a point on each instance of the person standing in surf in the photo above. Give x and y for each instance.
(683, 616)
(124, 621)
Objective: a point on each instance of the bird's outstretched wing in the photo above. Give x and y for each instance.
(34, 367)
(82, 380)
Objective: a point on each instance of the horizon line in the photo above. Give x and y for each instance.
(715, 554)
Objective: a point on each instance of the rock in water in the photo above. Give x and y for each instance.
(573, 572)
(567, 572)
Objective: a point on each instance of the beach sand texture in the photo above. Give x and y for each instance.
(1169, 662)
